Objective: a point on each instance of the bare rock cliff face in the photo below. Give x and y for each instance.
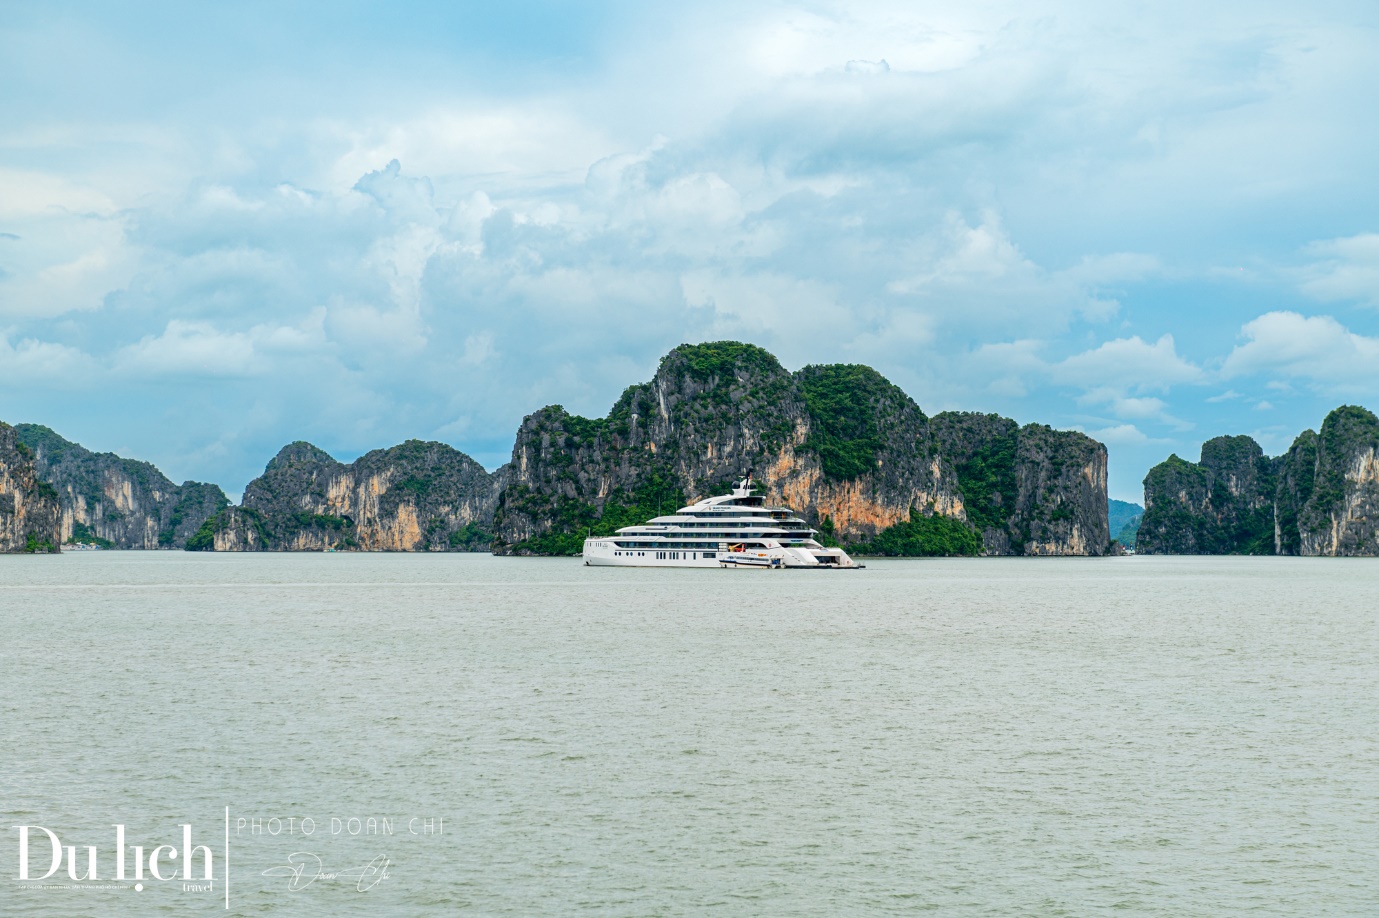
(1060, 504)
(30, 518)
(1296, 479)
(1341, 515)
(1031, 490)
(1319, 498)
(417, 496)
(840, 444)
(115, 502)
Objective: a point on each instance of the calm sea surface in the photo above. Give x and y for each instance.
(1143, 736)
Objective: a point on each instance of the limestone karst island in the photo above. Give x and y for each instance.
(854, 454)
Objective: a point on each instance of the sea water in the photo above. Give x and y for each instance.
(503, 736)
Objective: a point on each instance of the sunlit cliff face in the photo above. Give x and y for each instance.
(708, 428)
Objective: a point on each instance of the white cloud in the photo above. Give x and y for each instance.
(1316, 348)
(962, 253)
(960, 195)
(1345, 269)
(200, 349)
(1122, 435)
(63, 263)
(1123, 405)
(1114, 400)
(977, 274)
(1005, 367)
(1131, 363)
(190, 348)
(466, 220)
(32, 364)
(702, 198)
(537, 141)
(1108, 374)
(221, 197)
(757, 305)
(26, 194)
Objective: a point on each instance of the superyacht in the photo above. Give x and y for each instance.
(736, 530)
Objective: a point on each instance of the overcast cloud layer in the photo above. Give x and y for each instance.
(224, 229)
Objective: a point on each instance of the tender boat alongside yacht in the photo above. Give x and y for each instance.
(736, 530)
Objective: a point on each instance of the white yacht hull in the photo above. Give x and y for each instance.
(605, 553)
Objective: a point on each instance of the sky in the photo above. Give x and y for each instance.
(224, 227)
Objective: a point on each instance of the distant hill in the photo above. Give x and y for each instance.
(114, 502)
(416, 496)
(1123, 519)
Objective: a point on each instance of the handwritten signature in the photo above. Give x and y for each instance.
(303, 869)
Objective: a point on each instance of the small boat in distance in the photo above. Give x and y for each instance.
(735, 530)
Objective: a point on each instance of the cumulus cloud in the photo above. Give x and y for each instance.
(971, 253)
(408, 199)
(1113, 378)
(190, 348)
(1132, 361)
(978, 268)
(43, 364)
(1123, 435)
(986, 206)
(201, 349)
(1315, 348)
(1122, 405)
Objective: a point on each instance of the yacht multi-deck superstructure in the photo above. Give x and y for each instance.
(735, 530)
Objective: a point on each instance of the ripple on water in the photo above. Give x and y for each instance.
(1148, 736)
